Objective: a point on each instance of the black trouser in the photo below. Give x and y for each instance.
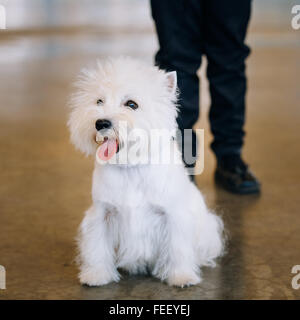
(186, 30)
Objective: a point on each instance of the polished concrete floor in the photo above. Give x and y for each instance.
(45, 183)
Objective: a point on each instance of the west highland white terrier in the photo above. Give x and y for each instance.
(145, 217)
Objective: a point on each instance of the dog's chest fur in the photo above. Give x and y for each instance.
(134, 186)
(135, 219)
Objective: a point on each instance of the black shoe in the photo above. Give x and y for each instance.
(234, 175)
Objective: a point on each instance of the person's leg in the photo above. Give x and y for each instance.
(178, 25)
(226, 25)
(225, 29)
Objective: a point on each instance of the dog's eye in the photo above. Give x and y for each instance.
(131, 104)
(99, 102)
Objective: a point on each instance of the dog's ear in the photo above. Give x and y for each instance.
(172, 81)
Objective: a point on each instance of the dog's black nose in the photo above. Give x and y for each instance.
(102, 124)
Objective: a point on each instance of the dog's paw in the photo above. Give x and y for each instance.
(97, 277)
(183, 279)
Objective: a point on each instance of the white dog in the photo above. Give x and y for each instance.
(144, 217)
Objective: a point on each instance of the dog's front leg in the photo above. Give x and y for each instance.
(96, 252)
(182, 269)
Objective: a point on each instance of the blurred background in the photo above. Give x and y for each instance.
(45, 184)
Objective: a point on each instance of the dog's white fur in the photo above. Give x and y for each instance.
(143, 217)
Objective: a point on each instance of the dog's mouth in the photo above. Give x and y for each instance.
(108, 147)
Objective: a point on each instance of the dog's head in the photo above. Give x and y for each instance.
(120, 92)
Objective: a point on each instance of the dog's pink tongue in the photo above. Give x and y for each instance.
(107, 149)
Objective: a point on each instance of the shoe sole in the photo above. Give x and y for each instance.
(219, 181)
